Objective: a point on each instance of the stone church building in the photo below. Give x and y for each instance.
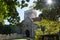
(30, 16)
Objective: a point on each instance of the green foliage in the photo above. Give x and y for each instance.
(4, 29)
(49, 17)
(59, 37)
(20, 25)
(38, 34)
(8, 10)
(27, 0)
(41, 4)
(24, 4)
(51, 12)
(1, 27)
(52, 27)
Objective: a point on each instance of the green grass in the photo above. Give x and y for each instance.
(19, 39)
(59, 37)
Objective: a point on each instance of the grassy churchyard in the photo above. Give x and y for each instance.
(22, 39)
(19, 39)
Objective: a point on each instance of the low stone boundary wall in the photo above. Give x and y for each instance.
(10, 36)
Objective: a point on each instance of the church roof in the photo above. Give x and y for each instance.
(36, 19)
(27, 19)
(32, 19)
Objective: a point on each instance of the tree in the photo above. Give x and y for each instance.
(50, 12)
(42, 4)
(8, 10)
(1, 27)
(49, 16)
(51, 27)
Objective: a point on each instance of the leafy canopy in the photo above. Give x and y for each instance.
(8, 10)
(51, 27)
(50, 12)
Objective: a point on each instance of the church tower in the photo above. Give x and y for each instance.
(30, 13)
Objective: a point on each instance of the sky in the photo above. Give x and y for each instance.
(21, 11)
